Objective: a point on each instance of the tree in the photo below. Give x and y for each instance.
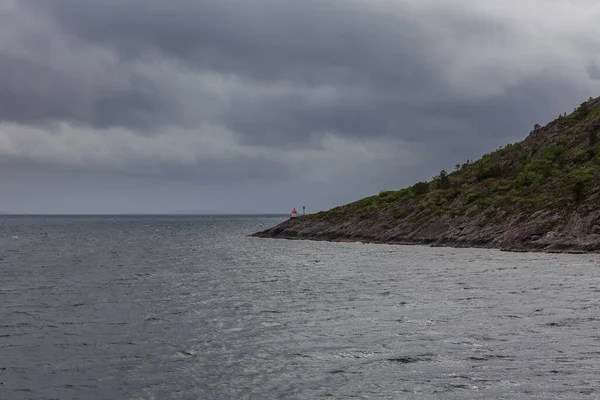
(582, 111)
(536, 127)
(442, 180)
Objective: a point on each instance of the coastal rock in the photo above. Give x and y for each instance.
(541, 194)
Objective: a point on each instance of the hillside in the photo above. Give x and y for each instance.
(540, 194)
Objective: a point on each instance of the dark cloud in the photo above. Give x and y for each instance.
(266, 40)
(364, 57)
(365, 94)
(49, 76)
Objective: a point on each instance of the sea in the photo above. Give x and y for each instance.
(191, 307)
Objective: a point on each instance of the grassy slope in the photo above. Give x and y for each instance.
(554, 171)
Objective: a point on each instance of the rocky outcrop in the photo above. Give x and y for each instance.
(541, 194)
(543, 231)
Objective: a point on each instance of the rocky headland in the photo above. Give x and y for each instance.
(540, 194)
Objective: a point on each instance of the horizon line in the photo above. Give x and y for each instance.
(143, 214)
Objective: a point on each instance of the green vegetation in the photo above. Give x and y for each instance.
(420, 188)
(556, 167)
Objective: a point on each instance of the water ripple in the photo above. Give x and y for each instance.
(190, 307)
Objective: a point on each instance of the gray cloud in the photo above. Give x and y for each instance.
(365, 94)
(267, 40)
(594, 70)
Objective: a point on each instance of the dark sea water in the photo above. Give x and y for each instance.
(193, 308)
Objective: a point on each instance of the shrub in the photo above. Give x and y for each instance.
(471, 197)
(385, 195)
(366, 202)
(452, 194)
(542, 166)
(553, 153)
(400, 214)
(579, 157)
(420, 188)
(368, 211)
(580, 178)
(438, 213)
(527, 178)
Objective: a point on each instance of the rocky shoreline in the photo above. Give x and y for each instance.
(524, 248)
(512, 236)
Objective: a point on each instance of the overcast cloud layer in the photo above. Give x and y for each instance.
(264, 105)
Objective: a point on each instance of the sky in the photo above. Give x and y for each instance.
(237, 106)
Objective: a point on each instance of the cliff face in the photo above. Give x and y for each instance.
(541, 194)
